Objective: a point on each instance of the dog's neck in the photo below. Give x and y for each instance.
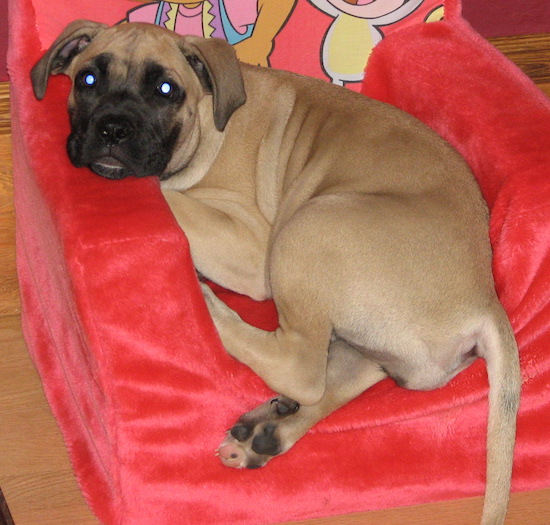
(197, 154)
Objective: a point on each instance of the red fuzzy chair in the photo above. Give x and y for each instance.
(130, 361)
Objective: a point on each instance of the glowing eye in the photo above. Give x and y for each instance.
(89, 79)
(165, 88)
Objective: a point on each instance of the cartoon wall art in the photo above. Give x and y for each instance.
(359, 25)
(338, 35)
(249, 25)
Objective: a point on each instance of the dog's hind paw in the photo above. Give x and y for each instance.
(260, 435)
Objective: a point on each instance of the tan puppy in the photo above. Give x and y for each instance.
(367, 230)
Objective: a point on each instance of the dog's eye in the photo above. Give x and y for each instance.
(88, 79)
(165, 89)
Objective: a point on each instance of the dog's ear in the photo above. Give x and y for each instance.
(215, 63)
(74, 38)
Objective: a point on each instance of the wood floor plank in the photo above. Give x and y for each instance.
(9, 290)
(5, 514)
(531, 53)
(5, 127)
(48, 498)
(35, 473)
(59, 515)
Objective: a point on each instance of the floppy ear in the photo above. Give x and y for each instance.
(215, 63)
(74, 38)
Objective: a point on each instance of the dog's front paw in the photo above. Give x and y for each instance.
(260, 435)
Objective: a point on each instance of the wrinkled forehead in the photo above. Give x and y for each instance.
(127, 51)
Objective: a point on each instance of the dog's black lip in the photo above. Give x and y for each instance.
(110, 168)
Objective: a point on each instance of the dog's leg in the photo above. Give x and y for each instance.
(292, 360)
(212, 232)
(272, 428)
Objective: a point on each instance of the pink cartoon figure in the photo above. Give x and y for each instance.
(360, 24)
(249, 25)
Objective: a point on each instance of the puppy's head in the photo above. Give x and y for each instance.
(137, 93)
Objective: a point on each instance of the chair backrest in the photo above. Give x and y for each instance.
(329, 39)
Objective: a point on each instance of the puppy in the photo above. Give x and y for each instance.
(367, 230)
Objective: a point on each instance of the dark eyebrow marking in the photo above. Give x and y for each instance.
(102, 62)
(153, 72)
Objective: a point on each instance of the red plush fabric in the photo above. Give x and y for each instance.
(133, 369)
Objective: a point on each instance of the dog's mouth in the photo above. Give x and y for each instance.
(110, 168)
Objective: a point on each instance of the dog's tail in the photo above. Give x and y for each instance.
(498, 347)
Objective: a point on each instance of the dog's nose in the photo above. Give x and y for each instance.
(114, 129)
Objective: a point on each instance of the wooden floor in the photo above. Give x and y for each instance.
(35, 475)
